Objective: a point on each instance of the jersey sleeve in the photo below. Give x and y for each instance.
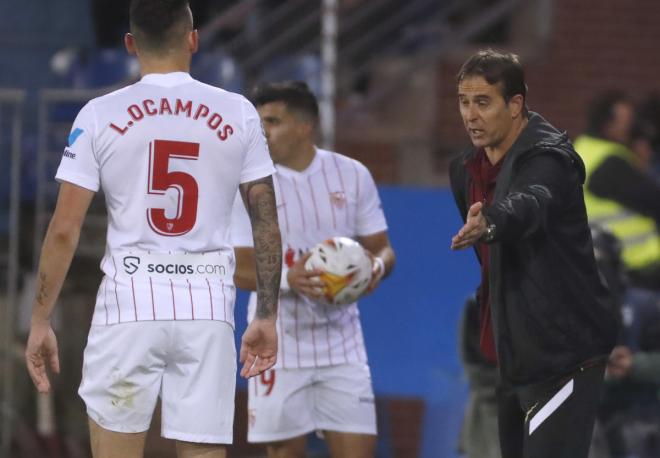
(370, 215)
(79, 164)
(257, 163)
(240, 227)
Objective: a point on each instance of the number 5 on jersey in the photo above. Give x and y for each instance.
(185, 186)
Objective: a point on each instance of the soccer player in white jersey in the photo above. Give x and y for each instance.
(170, 155)
(321, 381)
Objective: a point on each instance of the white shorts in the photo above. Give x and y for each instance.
(287, 403)
(191, 365)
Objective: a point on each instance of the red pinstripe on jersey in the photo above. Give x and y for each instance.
(282, 339)
(210, 297)
(316, 360)
(173, 302)
(327, 334)
(300, 204)
(134, 302)
(316, 208)
(116, 295)
(327, 188)
(341, 183)
(295, 318)
(224, 299)
(282, 204)
(153, 304)
(192, 302)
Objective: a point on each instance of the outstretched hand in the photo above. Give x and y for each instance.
(473, 230)
(41, 351)
(258, 347)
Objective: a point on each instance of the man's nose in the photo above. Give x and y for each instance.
(471, 112)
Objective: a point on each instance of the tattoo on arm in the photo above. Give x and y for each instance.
(259, 198)
(42, 295)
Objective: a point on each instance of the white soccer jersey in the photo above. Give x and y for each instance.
(334, 196)
(169, 153)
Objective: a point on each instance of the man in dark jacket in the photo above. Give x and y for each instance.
(546, 319)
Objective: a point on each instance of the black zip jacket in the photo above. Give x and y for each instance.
(550, 311)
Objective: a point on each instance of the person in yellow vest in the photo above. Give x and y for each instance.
(619, 194)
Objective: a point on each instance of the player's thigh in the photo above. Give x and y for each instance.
(122, 372)
(290, 448)
(350, 445)
(193, 450)
(111, 444)
(281, 404)
(345, 399)
(199, 383)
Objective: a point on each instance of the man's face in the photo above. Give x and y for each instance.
(284, 131)
(487, 117)
(618, 130)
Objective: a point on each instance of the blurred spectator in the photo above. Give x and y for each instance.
(649, 115)
(642, 139)
(637, 367)
(618, 193)
(629, 415)
(479, 436)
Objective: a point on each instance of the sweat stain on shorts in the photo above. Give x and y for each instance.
(124, 392)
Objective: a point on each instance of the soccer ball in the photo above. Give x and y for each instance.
(346, 266)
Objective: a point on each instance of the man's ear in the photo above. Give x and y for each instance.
(516, 105)
(193, 41)
(129, 42)
(307, 128)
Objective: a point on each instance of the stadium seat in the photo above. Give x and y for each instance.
(217, 69)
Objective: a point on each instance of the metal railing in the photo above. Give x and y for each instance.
(364, 35)
(57, 111)
(13, 100)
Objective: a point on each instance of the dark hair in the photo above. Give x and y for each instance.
(296, 95)
(601, 110)
(504, 69)
(158, 25)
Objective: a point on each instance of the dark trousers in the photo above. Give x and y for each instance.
(553, 419)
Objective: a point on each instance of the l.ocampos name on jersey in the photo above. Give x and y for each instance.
(198, 111)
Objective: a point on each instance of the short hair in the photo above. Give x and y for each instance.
(158, 25)
(296, 95)
(504, 69)
(601, 110)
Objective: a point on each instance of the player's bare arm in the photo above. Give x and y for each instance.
(382, 256)
(58, 249)
(259, 198)
(245, 275)
(259, 343)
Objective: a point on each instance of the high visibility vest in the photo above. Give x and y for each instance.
(638, 234)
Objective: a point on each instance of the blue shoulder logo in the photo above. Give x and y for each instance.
(73, 136)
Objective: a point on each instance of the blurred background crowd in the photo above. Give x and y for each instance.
(592, 70)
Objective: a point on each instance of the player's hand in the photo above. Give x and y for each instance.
(473, 230)
(41, 351)
(258, 347)
(305, 282)
(620, 362)
(377, 273)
